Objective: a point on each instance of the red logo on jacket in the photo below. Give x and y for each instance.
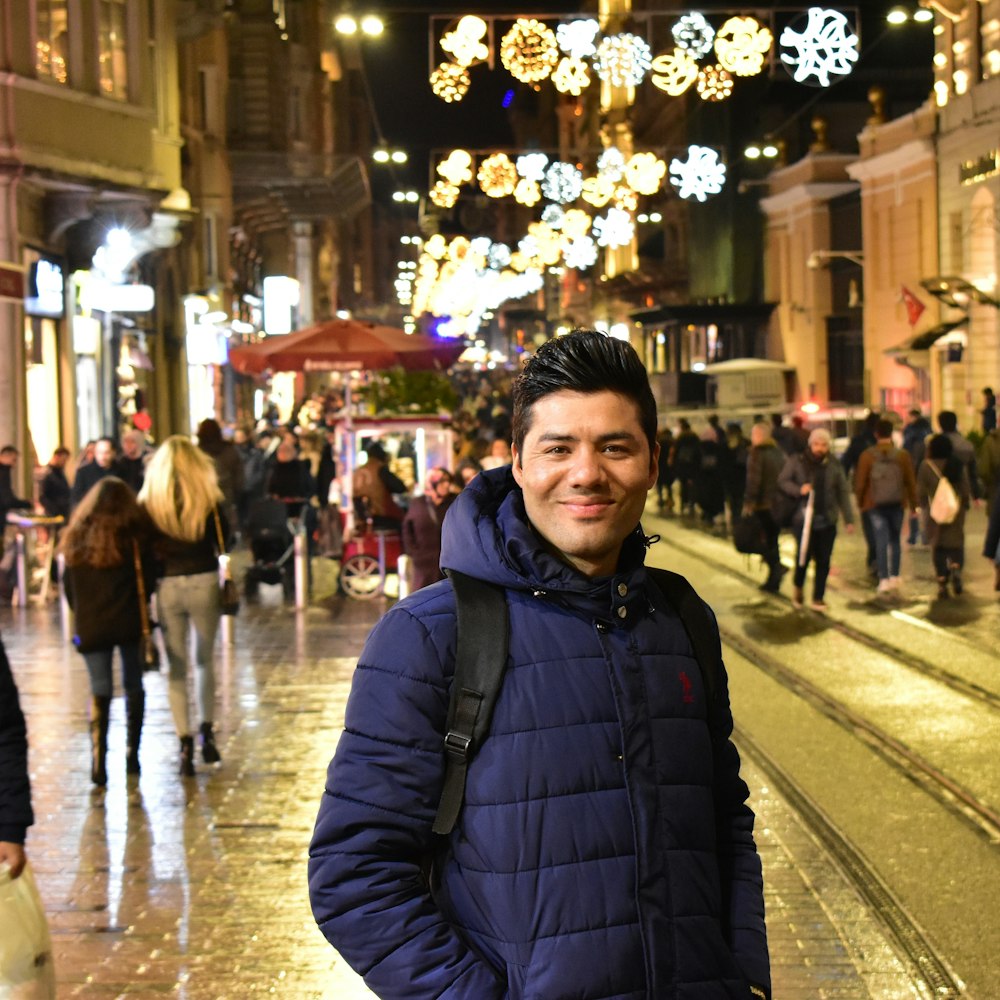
(688, 697)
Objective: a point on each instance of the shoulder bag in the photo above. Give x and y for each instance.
(150, 651)
(229, 596)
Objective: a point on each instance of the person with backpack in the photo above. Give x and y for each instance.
(594, 839)
(685, 460)
(939, 473)
(884, 484)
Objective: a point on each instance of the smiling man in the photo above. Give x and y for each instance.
(604, 849)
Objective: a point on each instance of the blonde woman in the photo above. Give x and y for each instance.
(182, 497)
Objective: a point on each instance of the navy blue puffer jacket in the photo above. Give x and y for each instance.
(604, 850)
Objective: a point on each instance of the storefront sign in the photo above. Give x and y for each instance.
(45, 289)
(11, 282)
(974, 171)
(281, 296)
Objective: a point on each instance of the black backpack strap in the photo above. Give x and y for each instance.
(480, 661)
(698, 622)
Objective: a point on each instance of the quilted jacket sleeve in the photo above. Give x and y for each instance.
(374, 825)
(740, 873)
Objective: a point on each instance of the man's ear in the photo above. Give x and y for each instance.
(515, 464)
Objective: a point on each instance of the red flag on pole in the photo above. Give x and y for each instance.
(914, 307)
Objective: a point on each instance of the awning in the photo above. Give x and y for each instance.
(699, 314)
(924, 341)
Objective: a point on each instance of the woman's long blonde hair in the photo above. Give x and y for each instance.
(180, 489)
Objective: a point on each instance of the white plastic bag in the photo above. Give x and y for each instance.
(944, 504)
(26, 968)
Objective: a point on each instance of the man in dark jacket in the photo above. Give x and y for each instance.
(915, 433)
(422, 528)
(9, 501)
(604, 847)
(15, 788)
(54, 490)
(763, 468)
(93, 472)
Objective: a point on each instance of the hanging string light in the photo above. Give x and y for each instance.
(450, 82)
(563, 183)
(693, 34)
(529, 51)
(625, 198)
(527, 192)
(576, 38)
(623, 60)
(714, 83)
(499, 256)
(580, 253)
(444, 195)
(457, 167)
(644, 173)
(531, 166)
(575, 223)
(611, 163)
(741, 45)
(615, 229)
(571, 76)
(599, 190)
(465, 44)
(673, 72)
(700, 175)
(497, 176)
(436, 246)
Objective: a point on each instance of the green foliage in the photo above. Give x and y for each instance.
(400, 391)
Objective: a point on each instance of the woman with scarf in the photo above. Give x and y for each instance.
(947, 541)
(820, 481)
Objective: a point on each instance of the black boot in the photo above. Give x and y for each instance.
(100, 716)
(942, 586)
(134, 709)
(773, 582)
(209, 751)
(187, 757)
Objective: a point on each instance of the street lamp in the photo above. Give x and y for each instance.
(384, 155)
(900, 15)
(368, 24)
(818, 259)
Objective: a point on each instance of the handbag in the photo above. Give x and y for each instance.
(748, 535)
(150, 651)
(229, 596)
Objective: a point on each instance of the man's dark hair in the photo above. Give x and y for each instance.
(948, 421)
(883, 429)
(61, 451)
(940, 446)
(111, 441)
(8, 449)
(583, 361)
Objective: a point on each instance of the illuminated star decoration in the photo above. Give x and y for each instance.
(563, 183)
(826, 47)
(450, 82)
(576, 38)
(700, 175)
(693, 34)
(615, 229)
(580, 253)
(741, 45)
(623, 60)
(531, 166)
(553, 215)
(529, 51)
(575, 224)
(457, 168)
(465, 44)
(673, 72)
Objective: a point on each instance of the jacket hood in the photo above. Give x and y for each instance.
(487, 535)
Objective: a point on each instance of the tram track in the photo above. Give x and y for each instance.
(961, 685)
(926, 966)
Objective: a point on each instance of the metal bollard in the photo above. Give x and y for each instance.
(21, 557)
(301, 553)
(403, 572)
(65, 612)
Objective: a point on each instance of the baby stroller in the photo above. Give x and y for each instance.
(272, 545)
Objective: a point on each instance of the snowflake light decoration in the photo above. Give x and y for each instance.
(615, 229)
(714, 83)
(611, 163)
(529, 51)
(623, 60)
(575, 224)
(548, 242)
(700, 175)
(450, 82)
(693, 34)
(625, 198)
(531, 166)
(444, 195)
(599, 190)
(527, 192)
(673, 72)
(580, 253)
(497, 176)
(825, 47)
(457, 167)
(644, 173)
(465, 44)
(553, 215)
(571, 76)
(576, 38)
(741, 45)
(499, 256)
(563, 183)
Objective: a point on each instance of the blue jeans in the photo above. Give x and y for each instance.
(99, 663)
(189, 604)
(887, 526)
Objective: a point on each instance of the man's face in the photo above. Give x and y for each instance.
(585, 468)
(131, 447)
(438, 486)
(59, 459)
(104, 454)
(8, 457)
(820, 447)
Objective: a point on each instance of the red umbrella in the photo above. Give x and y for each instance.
(344, 345)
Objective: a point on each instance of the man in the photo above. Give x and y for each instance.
(9, 501)
(916, 430)
(763, 468)
(93, 472)
(989, 411)
(372, 489)
(604, 848)
(963, 450)
(883, 483)
(54, 489)
(685, 462)
(422, 528)
(15, 788)
(132, 464)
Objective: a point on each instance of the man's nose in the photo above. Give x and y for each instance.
(586, 468)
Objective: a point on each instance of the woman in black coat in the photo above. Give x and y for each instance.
(108, 532)
(15, 788)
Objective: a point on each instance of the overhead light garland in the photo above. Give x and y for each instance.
(623, 60)
(700, 175)
(450, 82)
(497, 176)
(714, 83)
(465, 44)
(694, 35)
(673, 72)
(824, 47)
(529, 51)
(742, 44)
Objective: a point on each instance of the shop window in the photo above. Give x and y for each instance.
(113, 51)
(51, 27)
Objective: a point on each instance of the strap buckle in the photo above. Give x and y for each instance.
(457, 745)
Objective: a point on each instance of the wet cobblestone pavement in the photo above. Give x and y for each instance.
(196, 888)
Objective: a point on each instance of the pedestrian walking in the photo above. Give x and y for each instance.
(710, 479)
(605, 846)
(15, 786)
(963, 450)
(818, 478)
(764, 465)
(686, 462)
(54, 492)
(916, 430)
(664, 471)
(89, 474)
(9, 501)
(228, 466)
(106, 545)
(991, 543)
(884, 485)
(422, 528)
(988, 463)
(182, 497)
(947, 539)
(989, 411)
(735, 465)
(131, 464)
